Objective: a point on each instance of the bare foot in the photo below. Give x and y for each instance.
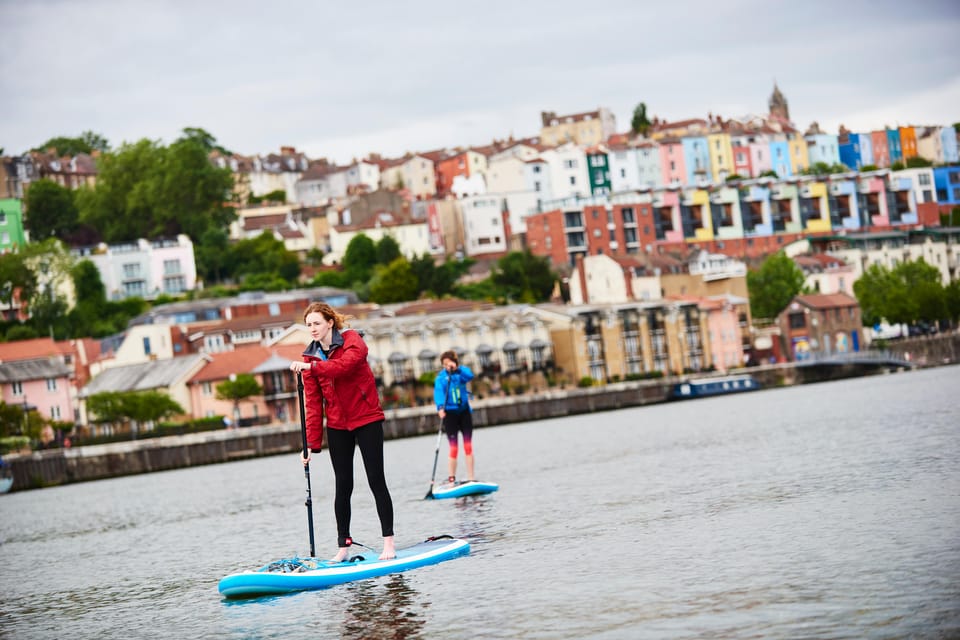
(342, 554)
(389, 553)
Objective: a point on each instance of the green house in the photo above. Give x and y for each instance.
(11, 224)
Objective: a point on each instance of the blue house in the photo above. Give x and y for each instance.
(948, 137)
(696, 156)
(947, 181)
(893, 144)
(780, 158)
(857, 152)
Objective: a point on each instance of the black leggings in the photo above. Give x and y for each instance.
(342, 444)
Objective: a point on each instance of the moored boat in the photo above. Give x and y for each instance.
(703, 387)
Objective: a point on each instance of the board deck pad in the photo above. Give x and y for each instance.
(467, 488)
(302, 574)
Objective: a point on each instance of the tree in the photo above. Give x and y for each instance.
(87, 142)
(869, 167)
(203, 137)
(277, 195)
(394, 282)
(51, 211)
(640, 124)
(910, 293)
(16, 278)
(212, 254)
(917, 162)
(263, 257)
(523, 277)
(139, 407)
(237, 389)
(773, 285)
(359, 258)
(823, 169)
(146, 190)
(388, 250)
(769, 173)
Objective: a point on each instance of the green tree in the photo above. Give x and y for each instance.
(277, 195)
(640, 123)
(188, 192)
(769, 173)
(16, 277)
(917, 162)
(910, 293)
(139, 407)
(146, 190)
(869, 167)
(147, 407)
(51, 211)
(359, 258)
(263, 257)
(212, 254)
(388, 250)
(237, 389)
(87, 142)
(521, 276)
(773, 285)
(394, 282)
(823, 169)
(206, 139)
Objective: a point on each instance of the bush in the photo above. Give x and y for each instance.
(13, 443)
(585, 381)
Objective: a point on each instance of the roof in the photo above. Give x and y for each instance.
(246, 359)
(144, 376)
(24, 370)
(32, 349)
(827, 300)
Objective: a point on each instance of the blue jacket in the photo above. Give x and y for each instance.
(450, 389)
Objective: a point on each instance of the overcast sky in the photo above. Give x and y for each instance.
(343, 79)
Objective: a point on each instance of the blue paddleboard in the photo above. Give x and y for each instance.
(468, 488)
(303, 574)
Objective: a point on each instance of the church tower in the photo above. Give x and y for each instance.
(778, 105)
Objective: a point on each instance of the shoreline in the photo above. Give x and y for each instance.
(96, 462)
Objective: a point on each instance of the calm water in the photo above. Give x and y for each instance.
(822, 511)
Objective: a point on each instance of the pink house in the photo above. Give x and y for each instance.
(39, 375)
(269, 365)
(723, 327)
(671, 162)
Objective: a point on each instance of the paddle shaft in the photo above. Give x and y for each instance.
(306, 466)
(436, 456)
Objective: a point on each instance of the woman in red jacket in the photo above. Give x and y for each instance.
(337, 380)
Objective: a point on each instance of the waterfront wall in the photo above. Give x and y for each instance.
(79, 464)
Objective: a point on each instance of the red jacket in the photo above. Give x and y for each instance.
(342, 385)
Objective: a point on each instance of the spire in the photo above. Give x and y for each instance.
(779, 108)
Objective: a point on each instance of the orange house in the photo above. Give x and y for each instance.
(908, 142)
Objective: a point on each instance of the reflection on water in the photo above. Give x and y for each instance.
(389, 610)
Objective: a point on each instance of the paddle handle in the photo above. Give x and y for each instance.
(306, 466)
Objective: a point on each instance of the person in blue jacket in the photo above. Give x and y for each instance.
(453, 406)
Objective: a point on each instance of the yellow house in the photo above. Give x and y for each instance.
(620, 341)
(721, 156)
(799, 158)
(588, 128)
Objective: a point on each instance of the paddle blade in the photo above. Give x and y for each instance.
(429, 495)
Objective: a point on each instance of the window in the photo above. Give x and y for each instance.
(797, 321)
(51, 384)
(573, 180)
(55, 412)
(131, 270)
(146, 345)
(17, 388)
(570, 164)
(172, 267)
